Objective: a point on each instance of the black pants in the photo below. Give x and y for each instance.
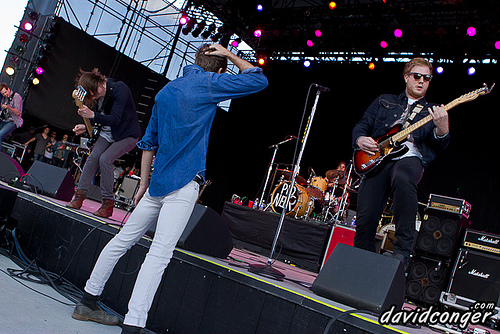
(399, 179)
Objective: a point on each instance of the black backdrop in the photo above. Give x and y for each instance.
(239, 152)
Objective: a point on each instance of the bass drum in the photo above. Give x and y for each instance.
(300, 204)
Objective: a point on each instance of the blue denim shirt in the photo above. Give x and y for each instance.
(180, 124)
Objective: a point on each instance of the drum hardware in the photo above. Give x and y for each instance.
(299, 179)
(271, 164)
(344, 199)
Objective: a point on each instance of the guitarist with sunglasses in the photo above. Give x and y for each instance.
(111, 105)
(399, 175)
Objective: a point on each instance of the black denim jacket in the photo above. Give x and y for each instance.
(380, 116)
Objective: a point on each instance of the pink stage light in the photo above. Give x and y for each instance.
(39, 70)
(309, 43)
(471, 31)
(497, 45)
(257, 33)
(398, 33)
(383, 44)
(317, 33)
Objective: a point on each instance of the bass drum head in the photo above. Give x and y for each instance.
(300, 204)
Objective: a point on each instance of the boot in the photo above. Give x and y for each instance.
(106, 209)
(77, 202)
(89, 309)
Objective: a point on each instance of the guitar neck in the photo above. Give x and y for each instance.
(88, 125)
(401, 135)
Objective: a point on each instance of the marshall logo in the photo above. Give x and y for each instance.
(489, 240)
(476, 273)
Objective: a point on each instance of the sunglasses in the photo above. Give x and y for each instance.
(418, 76)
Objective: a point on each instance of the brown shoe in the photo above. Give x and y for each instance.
(77, 202)
(106, 209)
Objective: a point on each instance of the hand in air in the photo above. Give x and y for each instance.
(79, 129)
(368, 144)
(219, 51)
(440, 118)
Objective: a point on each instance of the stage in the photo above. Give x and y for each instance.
(198, 293)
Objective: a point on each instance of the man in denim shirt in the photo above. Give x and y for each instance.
(398, 177)
(177, 134)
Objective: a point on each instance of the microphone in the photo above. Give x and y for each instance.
(322, 88)
(291, 137)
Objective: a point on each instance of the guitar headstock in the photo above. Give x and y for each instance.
(474, 94)
(79, 95)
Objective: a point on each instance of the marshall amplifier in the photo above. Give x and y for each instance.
(476, 276)
(449, 204)
(487, 242)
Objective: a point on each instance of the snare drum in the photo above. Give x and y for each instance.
(300, 204)
(317, 187)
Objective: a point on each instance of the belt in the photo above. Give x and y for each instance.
(198, 179)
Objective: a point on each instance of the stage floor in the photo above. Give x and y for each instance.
(294, 287)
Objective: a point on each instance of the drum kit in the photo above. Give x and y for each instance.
(328, 195)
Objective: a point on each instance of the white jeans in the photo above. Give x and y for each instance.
(171, 213)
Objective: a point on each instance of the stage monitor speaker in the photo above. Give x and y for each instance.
(7, 199)
(53, 181)
(427, 277)
(9, 168)
(476, 276)
(361, 279)
(206, 233)
(440, 233)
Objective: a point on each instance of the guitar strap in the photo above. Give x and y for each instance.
(414, 113)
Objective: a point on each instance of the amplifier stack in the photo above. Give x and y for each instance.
(436, 245)
(476, 273)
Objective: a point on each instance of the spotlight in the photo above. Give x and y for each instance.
(34, 16)
(35, 81)
(471, 31)
(497, 45)
(183, 20)
(20, 49)
(471, 71)
(398, 33)
(371, 66)
(439, 70)
(23, 38)
(39, 70)
(383, 44)
(209, 31)
(15, 59)
(236, 42)
(310, 43)
(28, 26)
(317, 33)
(259, 7)
(332, 5)
(257, 33)
(306, 63)
(261, 61)
(10, 71)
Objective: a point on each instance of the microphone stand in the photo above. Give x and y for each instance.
(266, 270)
(275, 146)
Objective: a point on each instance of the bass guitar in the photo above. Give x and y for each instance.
(79, 95)
(390, 144)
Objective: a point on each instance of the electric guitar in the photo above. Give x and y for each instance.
(6, 115)
(390, 144)
(79, 95)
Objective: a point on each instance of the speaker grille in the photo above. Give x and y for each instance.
(439, 234)
(426, 279)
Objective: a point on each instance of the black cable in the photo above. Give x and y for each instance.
(335, 318)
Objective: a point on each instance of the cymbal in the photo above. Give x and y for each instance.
(333, 173)
(299, 179)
